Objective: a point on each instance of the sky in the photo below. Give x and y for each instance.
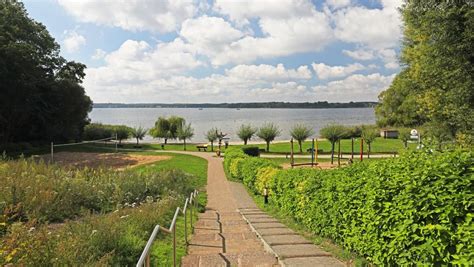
(215, 51)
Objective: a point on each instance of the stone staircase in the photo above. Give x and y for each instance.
(225, 239)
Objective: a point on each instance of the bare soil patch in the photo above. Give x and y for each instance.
(96, 160)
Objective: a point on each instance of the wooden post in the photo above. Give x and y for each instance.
(352, 148)
(361, 149)
(316, 151)
(116, 143)
(312, 153)
(52, 152)
(339, 153)
(292, 160)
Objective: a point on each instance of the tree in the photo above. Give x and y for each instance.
(369, 134)
(161, 129)
(211, 136)
(246, 132)
(404, 135)
(300, 133)
(122, 132)
(184, 133)
(41, 96)
(435, 84)
(176, 123)
(268, 132)
(138, 133)
(333, 133)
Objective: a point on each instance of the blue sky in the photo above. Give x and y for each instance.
(228, 51)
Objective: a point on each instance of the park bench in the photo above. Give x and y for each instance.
(310, 149)
(203, 147)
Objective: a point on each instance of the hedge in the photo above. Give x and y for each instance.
(417, 209)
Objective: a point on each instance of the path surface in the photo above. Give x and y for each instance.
(235, 232)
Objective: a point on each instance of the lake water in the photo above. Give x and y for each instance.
(229, 120)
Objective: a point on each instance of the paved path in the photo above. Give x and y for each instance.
(235, 232)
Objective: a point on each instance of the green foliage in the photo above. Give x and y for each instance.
(333, 133)
(268, 132)
(369, 134)
(41, 96)
(415, 209)
(264, 176)
(47, 193)
(96, 131)
(246, 132)
(212, 136)
(300, 133)
(404, 135)
(185, 132)
(435, 85)
(122, 132)
(138, 133)
(167, 128)
(253, 151)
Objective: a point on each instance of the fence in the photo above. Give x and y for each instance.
(82, 143)
(192, 201)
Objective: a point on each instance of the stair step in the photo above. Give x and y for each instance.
(244, 259)
(274, 240)
(298, 251)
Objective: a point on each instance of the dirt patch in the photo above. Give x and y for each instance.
(95, 160)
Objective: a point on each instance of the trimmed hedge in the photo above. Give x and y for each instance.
(253, 151)
(417, 209)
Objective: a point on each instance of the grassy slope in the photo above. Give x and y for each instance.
(162, 250)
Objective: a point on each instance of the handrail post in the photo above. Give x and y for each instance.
(147, 261)
(191, 211)
(185, 226)
(174, 245)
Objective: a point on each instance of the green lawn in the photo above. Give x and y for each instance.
(380, 145)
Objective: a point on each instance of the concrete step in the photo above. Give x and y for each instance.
(314, 262)
(266, 225)
(245, 259)
(291, 239)
(227, 236)
(276, 231)
(299, 251)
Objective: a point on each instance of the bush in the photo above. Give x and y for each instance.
(32, 191)
(416, 209)
(232, 153)
(264, 176)
(253, 151)
(96, 131)
(249, 168)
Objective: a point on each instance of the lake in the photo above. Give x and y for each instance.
(229, 120)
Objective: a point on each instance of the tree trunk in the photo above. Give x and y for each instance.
(368, 150)
(166, 141)
(268, 146)
(332, 152)
(184, 144)
(245, 142)
(212, 145)
(137, 141)
(301, 149)
(405, 144)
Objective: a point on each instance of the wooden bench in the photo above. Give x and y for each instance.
(203, 147)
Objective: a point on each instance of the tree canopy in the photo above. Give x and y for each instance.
(301, 132)
(268, 132)
(246, 132)
(435, 86)
(41, 94)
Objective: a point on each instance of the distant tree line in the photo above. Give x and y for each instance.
(435, 88)
(41, 97)
(309, 105)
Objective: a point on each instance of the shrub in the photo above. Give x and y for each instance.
(96, 131)
(236, 168)
(253, 151)
(264, 176)
(231, 154)
(416, 209)
(249, 168)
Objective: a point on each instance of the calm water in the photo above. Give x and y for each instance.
(229, 120)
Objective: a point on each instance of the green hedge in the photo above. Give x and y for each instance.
(413, 210)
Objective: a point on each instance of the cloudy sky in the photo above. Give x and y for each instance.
(168, 51)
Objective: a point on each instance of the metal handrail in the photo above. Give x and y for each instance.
(145, 256)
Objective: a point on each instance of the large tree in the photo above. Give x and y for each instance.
(41, 96)
(268, 132)
(333, 133)
(246, 132)
(300, 133)
(435, 85)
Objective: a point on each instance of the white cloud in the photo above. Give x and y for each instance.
(374, 28)
(73, 41)
(356, 87)
(324, 71)
(360, 54)
(151, 15)
(389, 57)
(98, 54)
(269, 72)
(335, 4)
